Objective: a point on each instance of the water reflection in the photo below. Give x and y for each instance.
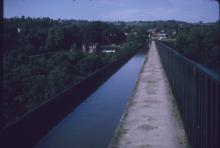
(93, 122)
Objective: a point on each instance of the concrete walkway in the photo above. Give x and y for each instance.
(151, 118)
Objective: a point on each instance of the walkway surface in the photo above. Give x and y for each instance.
(151, 118)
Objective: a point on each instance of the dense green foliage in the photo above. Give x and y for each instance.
(201, 43)
(42, 57)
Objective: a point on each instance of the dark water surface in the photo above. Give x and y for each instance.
(92, 123)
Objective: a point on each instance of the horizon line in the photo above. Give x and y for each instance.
(90, 20)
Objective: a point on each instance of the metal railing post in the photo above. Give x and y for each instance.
(197, 92)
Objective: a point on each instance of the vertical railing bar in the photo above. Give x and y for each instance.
(197, 94)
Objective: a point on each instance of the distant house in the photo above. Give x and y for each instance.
(90, 48)
(93, 48)
(162, 36)
(156, 34)
(159, 36)
(18, 30)
(97, 48)
(152, 32)
(109, 49)
(84, 48)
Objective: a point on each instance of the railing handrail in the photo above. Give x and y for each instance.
(196, 90)
(200, 67)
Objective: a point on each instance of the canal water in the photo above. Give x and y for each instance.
(92, 123)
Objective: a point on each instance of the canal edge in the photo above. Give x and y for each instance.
(119, 129)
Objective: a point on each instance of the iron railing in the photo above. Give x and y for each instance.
(197, 92)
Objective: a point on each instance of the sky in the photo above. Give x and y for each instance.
(115, 10)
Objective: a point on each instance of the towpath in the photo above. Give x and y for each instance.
(151, 118)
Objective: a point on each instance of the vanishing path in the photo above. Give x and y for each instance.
(151, 119)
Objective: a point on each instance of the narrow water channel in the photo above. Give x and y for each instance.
(92, 123)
